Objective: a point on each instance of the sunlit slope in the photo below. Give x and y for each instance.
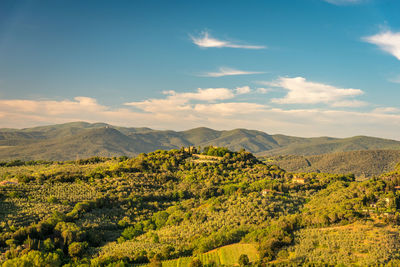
(225, 256)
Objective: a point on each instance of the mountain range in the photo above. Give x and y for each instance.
(74, 140)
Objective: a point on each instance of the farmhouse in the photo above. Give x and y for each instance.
(265, 192)
(191, 149)
(299, 180)
(5, 183)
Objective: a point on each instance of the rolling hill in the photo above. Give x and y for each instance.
(323, 145)
(365, 163)
(81, 139)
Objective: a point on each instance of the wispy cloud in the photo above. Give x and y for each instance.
(387, 41)
(387, 110)
(349, 103)
(182, 101)
(223, 71)
(262, 90)
(344, 2)
(206, 41)
(301, 91)
(395, 79)
(243, 90)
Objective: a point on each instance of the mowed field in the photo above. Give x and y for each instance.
(227, 255)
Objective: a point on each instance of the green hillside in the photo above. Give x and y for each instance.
(104, 142)
(80, 140)
(225, 256)
(324, 145)
(365, 163)
(178, 207)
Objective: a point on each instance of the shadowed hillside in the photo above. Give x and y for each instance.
(103, 142)
(361, 163)
(81, 139)
(323, 145)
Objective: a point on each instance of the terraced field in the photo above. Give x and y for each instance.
(227, 255)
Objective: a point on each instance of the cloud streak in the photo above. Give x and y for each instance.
(344, 2)
(181, 101)
(301, 91)
(387, 41)
(206, 41)
(223, 71)
(395, 79)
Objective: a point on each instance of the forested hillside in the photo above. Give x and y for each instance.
(79, 140)
(363, 164)
(191, 208)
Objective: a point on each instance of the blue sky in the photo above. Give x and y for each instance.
(307, 68)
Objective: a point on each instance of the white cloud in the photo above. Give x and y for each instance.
(349, 103)
(50, 106)
(387, 41)
(387, 110)
(301, 91)
(242, 90)
(209, 94)
(229, 109)
(25, 113)
(395, 79)
(223, 71)
(176, 100)
(344, 2)
(263, 90)
(182, 101)
(206, 41)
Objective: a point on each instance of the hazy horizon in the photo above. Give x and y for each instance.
(187, 129)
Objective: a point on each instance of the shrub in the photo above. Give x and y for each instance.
(131, 232)
(52, 199)
(244, 260)
(76, 249)
(34, 258)
(48, 245)
(195, 263)
(160, 218)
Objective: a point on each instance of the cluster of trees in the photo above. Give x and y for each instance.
(163, 205)
(216, 151)
(17, 162)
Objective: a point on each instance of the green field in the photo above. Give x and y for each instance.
(227, 255)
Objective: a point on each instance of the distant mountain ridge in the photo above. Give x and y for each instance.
(81, 139)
